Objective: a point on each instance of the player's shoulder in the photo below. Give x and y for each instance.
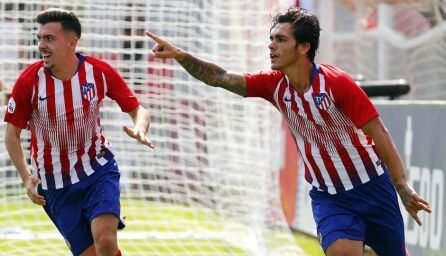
(335, 77)
(271, 75)
(98, 64)
(275, 74)
(332, 72)
(95, 61)
(30, 74)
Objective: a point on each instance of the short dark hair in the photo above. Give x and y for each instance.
(305, 27)
(67, 19)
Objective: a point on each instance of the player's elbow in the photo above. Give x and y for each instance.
(374, 127)
(12, 135)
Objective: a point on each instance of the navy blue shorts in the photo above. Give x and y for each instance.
(74, 207)
(368, 213)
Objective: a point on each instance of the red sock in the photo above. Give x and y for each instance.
(118, 253)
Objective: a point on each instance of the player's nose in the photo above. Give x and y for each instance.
(271, 45)
(41, 45)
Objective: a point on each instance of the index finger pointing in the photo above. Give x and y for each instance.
(154, 37)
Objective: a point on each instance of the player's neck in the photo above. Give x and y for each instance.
(299, 75)
(68, 68)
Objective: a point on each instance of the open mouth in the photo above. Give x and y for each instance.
(45, 55)
(273, 56)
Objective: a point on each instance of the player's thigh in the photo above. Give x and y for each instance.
(64, 207)
(104, 227)
(385, 226)
(102, 203)
(345, 247)
(336, 220)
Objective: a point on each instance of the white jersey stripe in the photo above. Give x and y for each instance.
(42, 107)
(77, 100)
(105, 84)
(89, 71)
(58, 140)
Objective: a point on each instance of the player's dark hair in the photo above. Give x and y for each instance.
(305, 27)
(67, 19)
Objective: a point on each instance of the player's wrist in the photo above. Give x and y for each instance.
(27, 177)
(400, 182)
(181, 54)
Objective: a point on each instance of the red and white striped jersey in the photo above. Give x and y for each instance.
(67, 143)
(325, 122)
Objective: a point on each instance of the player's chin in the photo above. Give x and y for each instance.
(274, 67)
(48, 65)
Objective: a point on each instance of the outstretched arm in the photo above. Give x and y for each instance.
(15, 150)
(387, 150)
(141, 123)
(205, 71)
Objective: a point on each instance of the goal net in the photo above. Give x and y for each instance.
(400, 39)
(211, 185)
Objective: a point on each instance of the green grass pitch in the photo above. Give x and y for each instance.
(31, 217)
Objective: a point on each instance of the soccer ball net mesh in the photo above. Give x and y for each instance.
(211, 185)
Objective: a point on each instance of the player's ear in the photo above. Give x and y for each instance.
(303, 48)
(72, 40)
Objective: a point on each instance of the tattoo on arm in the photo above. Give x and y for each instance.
(214, 75)
(405, 194)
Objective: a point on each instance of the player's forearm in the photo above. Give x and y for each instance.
(202, 70)
(386, 150)
(389, 154)
(15, 151)
(212, 74)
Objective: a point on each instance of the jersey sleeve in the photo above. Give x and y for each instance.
(19, 107)
(259, 85)
(118, 90)
(352, 100)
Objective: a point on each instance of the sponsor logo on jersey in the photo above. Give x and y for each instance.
(88, 91)
(42, 98)
(11, 105)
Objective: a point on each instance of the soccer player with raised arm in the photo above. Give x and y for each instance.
(350, 158)
(75, 173)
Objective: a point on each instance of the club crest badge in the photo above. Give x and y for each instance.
(88, 91)
(322, 101)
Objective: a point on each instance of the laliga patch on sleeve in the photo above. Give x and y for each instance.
(11, 105)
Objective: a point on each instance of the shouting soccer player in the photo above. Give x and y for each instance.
(76, 174)
(347, 151)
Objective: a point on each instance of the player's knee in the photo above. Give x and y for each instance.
(106, 242)
(104, 233)
(345, 247)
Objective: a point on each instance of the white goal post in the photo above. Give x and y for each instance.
(211, 186)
